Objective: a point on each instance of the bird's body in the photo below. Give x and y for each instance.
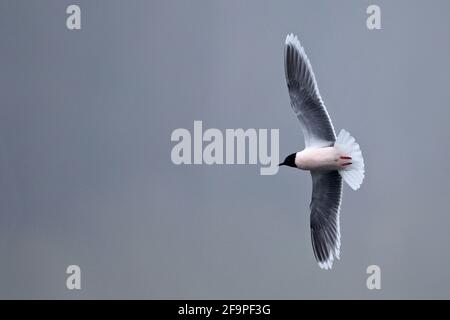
(325, 158)
(330, 159)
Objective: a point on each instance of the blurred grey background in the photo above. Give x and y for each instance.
(85, 170)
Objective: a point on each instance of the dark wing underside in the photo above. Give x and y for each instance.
(305, 98)
(325, 205)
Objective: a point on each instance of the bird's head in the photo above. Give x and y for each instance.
(289, 161)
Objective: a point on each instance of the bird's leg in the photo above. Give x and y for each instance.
(344, 161)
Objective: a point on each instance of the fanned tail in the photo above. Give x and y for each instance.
(353, 174)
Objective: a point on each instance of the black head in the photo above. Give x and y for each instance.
(289, 161)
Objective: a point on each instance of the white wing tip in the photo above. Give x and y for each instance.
(327, 265)
(292, 39)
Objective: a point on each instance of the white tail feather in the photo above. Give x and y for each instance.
(354, 173)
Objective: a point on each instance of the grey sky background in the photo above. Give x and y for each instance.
(85, 170)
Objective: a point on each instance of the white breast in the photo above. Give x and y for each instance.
(317, 159)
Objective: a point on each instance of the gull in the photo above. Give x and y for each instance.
(329, 159)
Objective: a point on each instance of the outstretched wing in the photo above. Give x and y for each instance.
(305, 97)
(325, 204)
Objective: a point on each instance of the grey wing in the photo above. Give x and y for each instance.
(325, 205)
(305, 97)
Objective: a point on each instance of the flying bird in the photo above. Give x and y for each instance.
(329, 159)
